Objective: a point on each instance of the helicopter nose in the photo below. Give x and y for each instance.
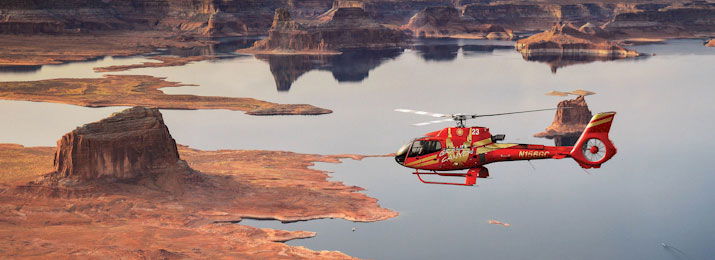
(400, 159)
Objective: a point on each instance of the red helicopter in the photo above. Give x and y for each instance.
(462, 148)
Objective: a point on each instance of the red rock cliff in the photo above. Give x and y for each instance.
(447, 21)
(130, 144)
(343, 28)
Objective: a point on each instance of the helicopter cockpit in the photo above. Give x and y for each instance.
(417, 148)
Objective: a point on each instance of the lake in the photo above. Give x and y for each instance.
(656, 191)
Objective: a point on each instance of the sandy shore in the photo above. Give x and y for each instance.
(164, 61)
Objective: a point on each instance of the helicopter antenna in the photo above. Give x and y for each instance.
(460, 119)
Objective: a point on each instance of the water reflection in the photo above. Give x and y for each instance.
(227, 45)
(20, 68)
(556, 62)
(442, 52)
(350, 66)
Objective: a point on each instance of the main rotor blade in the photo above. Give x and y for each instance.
(516, 112)
(421, 112)
(433, 122)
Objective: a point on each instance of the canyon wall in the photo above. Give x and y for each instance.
(446, 21)
(690, 20)
(254, 17)
(343, 28)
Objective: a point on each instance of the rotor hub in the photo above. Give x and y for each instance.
(594, 149)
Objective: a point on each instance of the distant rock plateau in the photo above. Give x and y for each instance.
(448, 22)
(340, 29)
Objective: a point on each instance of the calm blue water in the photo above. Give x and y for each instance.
(658, 188)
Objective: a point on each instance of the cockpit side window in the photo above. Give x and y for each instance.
(424, 147)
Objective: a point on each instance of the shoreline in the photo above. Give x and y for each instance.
(142, 90)
(235, 184)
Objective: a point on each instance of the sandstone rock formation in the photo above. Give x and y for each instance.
(201, 17)
(246, 17)
(676, 20)
(447, 21)
(571, 118)
(345, 28)
(710, 43)
(565, 39)
(594, 30)
(130, 144)
(538, 16)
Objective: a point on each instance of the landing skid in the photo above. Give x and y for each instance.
(470, 177)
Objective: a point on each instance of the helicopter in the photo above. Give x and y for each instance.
(470, 148)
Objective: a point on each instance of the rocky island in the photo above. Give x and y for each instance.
(564, 45)
(566, 39)
(571, 118)
(447, 22)
(121, 187)
(339, 29)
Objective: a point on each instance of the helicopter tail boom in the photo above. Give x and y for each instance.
(594, 147)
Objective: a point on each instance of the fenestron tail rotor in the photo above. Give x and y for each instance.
(461, 118)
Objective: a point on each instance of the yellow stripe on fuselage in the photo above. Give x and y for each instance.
(493, 147)
(602, 121)
(427, 163)
(431, 157)
(601, 115)
(482, 142)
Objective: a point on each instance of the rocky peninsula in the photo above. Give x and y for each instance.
(135, 90)
(163, 61)
(571, 118)
(120, 187)
(448, 22)
(339, 29)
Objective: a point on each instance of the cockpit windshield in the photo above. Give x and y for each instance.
(424, 147)
(418, 148)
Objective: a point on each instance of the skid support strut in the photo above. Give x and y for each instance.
(470, 177)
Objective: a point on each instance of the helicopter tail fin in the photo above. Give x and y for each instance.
(594, 148)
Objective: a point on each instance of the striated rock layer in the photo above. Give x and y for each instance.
(565, 39)
(571, 118)
(445, 21)
(345, 28)
(677, 20)
(130, 144)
